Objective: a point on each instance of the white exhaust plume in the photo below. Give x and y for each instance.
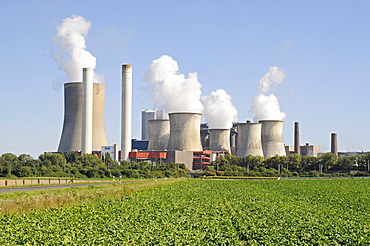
(273, 75)
(267, 107)
(72, 54)
(219, 110)
(172, 91)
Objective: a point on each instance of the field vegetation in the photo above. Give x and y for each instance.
(30, 201)
(208, 212)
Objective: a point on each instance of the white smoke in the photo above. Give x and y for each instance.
(219, 110)
(267, 107)
(273, 75)
(72, 54)
(172, 91)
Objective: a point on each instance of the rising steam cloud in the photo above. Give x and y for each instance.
(267, 107)
(219, 110)
(172, 91)
(72, 54)
(274, 75)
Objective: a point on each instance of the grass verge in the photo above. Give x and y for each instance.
(30, 201)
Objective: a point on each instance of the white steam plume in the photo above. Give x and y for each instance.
(172, 91)
(273, 75)
(72, 55)
(219, 110)
(267, 107)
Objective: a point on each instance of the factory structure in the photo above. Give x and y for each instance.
(177, 137)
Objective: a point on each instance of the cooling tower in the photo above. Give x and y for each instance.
(334, 144)
(87, 110)
(72, 127)
(126, 111)
(297, 144)
(159, 133)
(185, 132)
(249, 139)
(219, 139)
(272, 138)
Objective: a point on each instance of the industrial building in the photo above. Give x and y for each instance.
(307, 149)
(146, 115)
(177, 137)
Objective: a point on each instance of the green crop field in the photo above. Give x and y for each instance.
(208, 212)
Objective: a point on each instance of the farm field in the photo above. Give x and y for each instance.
(208, 212)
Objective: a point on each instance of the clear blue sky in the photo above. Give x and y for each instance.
(323, 47)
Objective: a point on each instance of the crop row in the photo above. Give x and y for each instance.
(208, 212)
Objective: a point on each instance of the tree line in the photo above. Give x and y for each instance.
(91, 166)
(84, 166)
(292, 165)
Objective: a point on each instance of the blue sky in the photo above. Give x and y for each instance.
(323, 47)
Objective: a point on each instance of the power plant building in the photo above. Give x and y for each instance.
(146, 115)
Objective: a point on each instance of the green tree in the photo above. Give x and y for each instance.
(327, 160)
(294, 161)
(11, 164)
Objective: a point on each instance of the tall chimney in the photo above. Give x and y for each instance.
(297, 144)
(126, 111)
(87, 110)
(334, 144)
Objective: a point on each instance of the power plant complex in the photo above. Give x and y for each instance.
(178, 137)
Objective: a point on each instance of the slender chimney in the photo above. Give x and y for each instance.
(87, 110)
(126, 111)
(297, 144)
(334, 144)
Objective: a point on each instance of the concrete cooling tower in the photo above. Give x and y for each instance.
(71, 137)
(272, 138)
(185, 132)
(219, 139)
(249, 139)
(159, 133)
